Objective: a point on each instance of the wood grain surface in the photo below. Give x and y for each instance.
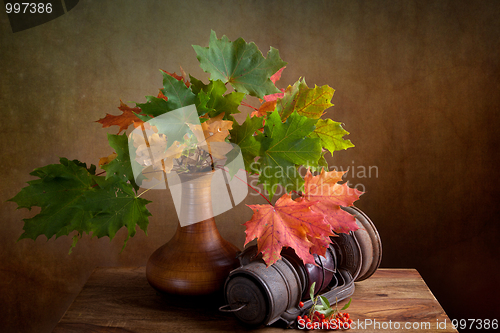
(119, 299)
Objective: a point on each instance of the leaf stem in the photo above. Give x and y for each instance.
(253, 188)
(248, 105)
(148, 189)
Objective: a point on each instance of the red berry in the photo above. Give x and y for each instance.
(301, 304)
(346, 315)
(299, 317)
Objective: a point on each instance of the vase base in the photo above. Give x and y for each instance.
(196, 261)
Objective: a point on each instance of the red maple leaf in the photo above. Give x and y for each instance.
(161, 95)
(288, 224)
(270, 100)
(124, 120)
(274, 78)
(329, 196)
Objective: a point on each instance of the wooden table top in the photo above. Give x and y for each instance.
(119, 299)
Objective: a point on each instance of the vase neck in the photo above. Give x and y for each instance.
(196, 198)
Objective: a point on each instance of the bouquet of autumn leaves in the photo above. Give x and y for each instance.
(286, 132)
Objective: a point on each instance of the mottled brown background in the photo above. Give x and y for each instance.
(417, 85)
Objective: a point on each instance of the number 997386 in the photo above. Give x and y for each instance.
(28, 7)
(479, 324)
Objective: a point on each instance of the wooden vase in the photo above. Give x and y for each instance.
(197, 260)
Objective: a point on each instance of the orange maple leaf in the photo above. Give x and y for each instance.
(264, 109)
(216, 129)
(288, 224)
(329, 196)
(212, 135)
(124, 120)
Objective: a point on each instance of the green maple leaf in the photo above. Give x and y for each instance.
(121, 166)
(216, 101)
(331, 134)
(283, 147)
(197, 85)
(72, 198)
(322, 163)
(241, 64)
(243, 136)
(178, 96)
(223, 103)
(153, 107)
(230, 103)
(310, 102)
(202, 98)
(58, 191)
(90, 169)
(114, 206)
(176, 126)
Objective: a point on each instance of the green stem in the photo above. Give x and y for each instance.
(148, 189)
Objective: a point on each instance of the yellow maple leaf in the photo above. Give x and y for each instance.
(107, 159)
